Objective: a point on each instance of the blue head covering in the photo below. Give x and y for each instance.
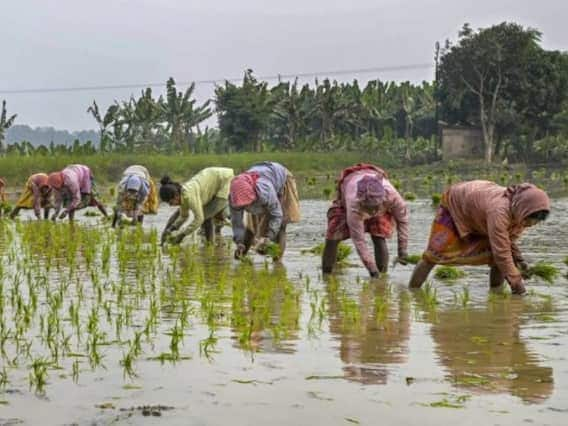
(134, 183)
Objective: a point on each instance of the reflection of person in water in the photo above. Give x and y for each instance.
(378, 340)
(489, 354)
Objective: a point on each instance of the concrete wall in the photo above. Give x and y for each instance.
(461, 142)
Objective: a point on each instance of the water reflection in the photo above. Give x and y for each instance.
(482, 350)
(265, 310)
(372, 329)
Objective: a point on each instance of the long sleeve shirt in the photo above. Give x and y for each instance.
(76, 181)
(34, 183)
(482, 208)
(269, 190)
(393, 204)
(209, 183)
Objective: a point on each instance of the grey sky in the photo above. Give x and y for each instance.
(68, 43)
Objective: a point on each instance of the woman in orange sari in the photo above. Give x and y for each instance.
(479, 223)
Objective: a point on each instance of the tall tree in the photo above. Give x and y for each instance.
(243, 112)
(181, 114)
(5, 124)
(104, 122)
(479, 69)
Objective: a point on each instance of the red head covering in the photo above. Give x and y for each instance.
(55, 180)
(243, 189)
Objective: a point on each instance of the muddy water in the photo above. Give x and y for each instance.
(341, 351)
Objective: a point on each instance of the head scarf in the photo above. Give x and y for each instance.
(243, 189)
(370, 190)
(41, 180)
(55, 180)
(134, 183)
(526, 199)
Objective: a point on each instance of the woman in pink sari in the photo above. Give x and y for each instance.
(74, 190)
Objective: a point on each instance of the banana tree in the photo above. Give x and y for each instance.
(181, 114)
(5, 124)
(104, 123)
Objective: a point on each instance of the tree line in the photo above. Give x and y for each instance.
(498, 79)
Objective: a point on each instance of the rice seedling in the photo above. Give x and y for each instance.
(409, 196)
(436, 199)
(544, 271)
(448, 273)
(343, 251)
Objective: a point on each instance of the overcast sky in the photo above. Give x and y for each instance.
(77, 43)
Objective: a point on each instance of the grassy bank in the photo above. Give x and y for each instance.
(315, 172)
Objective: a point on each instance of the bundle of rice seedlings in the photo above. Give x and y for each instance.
(343, 251)
(544, 271)
(448, 273)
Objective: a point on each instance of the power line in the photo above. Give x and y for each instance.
(216, 81)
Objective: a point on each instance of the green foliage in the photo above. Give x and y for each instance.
(448, 273)
(5, 123)
(500, 79)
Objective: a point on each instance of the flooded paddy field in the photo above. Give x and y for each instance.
(104, 327)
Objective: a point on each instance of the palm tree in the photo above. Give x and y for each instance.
(5, 124)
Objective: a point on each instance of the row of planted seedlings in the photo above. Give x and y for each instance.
(74, 299)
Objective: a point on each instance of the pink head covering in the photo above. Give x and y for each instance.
(370, 190)
(527, 199)
(243, 189)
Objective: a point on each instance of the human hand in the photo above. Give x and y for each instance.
(519, 289)
(374, 274)
(63, 215)
(262, 245)
(177, 238)
(240, 251)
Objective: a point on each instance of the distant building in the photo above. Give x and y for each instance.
(459, 142)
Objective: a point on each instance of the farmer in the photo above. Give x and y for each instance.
(36, 195)
(479, 223)
(366, 202)
(74, 190)
(205, 195)
(267, 194)
(136, 196)
(3, 199)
